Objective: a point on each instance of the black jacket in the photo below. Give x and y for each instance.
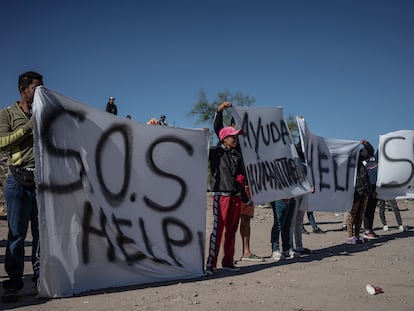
(111, 108)
(225, 166)
(362, 182)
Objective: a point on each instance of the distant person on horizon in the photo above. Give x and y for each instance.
(153, 121)
(111, 107)
(16, 138)
(162, 120)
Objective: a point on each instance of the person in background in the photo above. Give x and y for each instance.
(282, 216)
(312, 222)
(296, 225)
(111, 107)
(227, 187)
(129, 117)
(153, 121)
(396, 210)
(247, 210)
(162, 120)
(362, 190)
(16, 138)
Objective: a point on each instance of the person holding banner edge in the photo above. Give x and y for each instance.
(16, 138)
(247, 211)
(361, 193)
(372, 167)
(227, 187)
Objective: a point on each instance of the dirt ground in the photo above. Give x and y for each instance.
(333, 277)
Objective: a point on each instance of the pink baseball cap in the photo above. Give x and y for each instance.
(228, 131)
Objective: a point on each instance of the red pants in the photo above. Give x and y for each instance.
(226, 211)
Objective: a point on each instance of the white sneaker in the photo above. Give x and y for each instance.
(402, 228)
(293, 254)
(290, 254)
(385, 228)
(277, 255)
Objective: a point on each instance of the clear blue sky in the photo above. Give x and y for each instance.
(347, 66)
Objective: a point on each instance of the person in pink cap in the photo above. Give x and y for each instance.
(227, 187)
(246, 210)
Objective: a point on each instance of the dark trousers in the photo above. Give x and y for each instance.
(370, 212)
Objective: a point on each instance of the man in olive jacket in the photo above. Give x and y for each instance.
(16, 139)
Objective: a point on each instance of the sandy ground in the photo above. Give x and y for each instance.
(333, 277)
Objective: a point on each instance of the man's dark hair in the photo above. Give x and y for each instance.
(25, 79)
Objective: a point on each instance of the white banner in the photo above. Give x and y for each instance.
(396, 165)
(271, 162)
(331, 169)
(120, 202)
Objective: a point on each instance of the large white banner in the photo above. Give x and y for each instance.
(271, 162)
(396, 165)
(331, 169)
(120, 202)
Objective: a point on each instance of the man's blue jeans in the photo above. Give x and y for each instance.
(312, 221)
(21, 209)
(282, 216)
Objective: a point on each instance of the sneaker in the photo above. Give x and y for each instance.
(375, 235)
(370, 236)
(318, 230)
(385, 228)
(304, 231)
(10, 295)
(360, 240)
(209, 271)
(344, 227)
(402, 228)
(303, 251)
(252, 257)
(277, 255)
(11, 290)
(352, 240)
(293, 254)
(231, 268)
(290, 254)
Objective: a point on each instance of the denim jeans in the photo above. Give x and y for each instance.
(312, 221)
(282, 216)
(21, 209)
